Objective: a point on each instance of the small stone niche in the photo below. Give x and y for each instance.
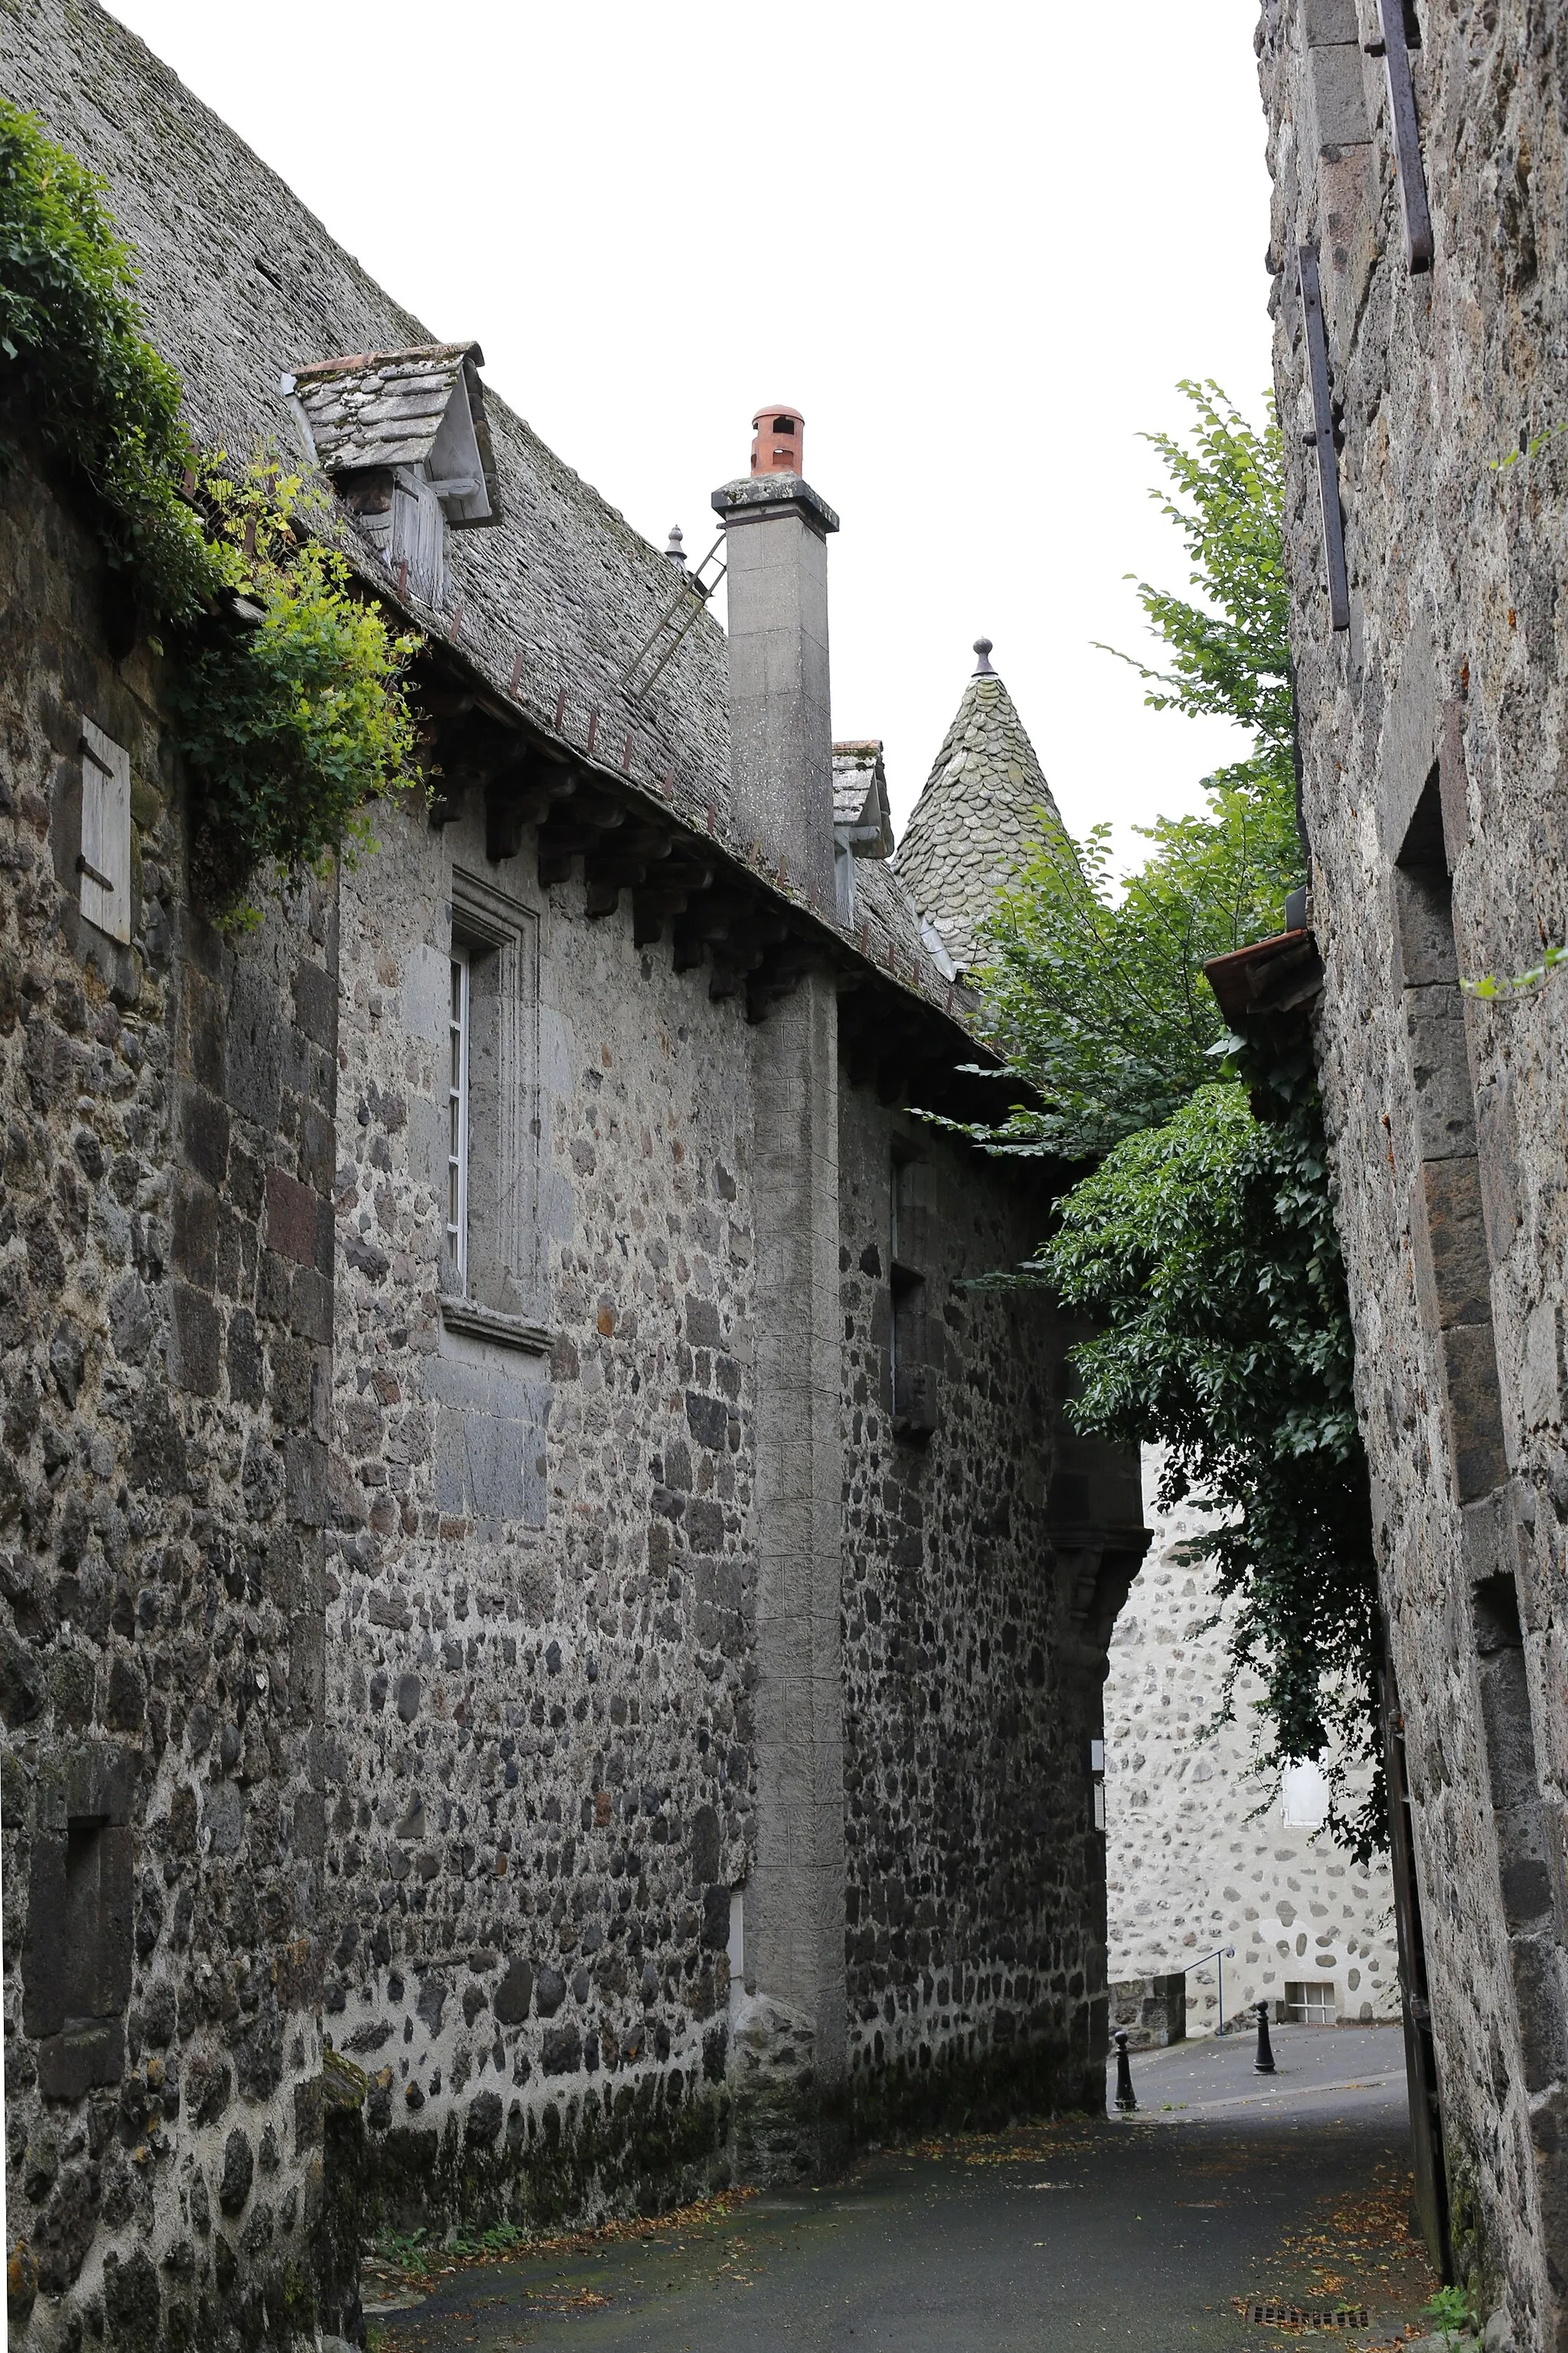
(76, 1960)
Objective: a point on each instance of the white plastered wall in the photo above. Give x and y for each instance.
(1192, 1862)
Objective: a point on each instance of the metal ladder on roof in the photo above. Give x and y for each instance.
(692, 593)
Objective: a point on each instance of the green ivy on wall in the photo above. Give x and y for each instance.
(78, 365)
(288, 689)
(291, 705)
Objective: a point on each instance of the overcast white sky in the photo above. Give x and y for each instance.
(977, 246)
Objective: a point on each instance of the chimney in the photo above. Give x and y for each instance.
(781, 728)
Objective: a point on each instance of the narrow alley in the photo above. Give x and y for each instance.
(1225, 2192)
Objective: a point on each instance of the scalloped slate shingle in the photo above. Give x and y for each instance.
(977, 818)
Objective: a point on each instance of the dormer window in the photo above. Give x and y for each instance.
(404, 437)
(862, 818)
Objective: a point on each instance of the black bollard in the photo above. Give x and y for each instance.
(1125, 2096)
(1264, 2062)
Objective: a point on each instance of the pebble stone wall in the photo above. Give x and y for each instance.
(421, 1671)
(1199, 1852)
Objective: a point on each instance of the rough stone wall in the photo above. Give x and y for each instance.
(165, 1313)
(533, 1786)
(1432, 732)
(540, 1695)
(543, 1825)
(974, 1920)
(1199, 1853)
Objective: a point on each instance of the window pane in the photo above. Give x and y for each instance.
(1304, 1796)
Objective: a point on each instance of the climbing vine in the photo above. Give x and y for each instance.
(79, 368)
(289, 702)
(289, 692)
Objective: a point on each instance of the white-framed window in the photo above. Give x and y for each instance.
(1311, 2005)
(1304, 1797)
(458, 1030)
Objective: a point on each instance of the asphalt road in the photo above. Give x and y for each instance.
(1144, 2234)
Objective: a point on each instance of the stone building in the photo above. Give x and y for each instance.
(551, 1648)
(1201, 1854)
(1420, 255)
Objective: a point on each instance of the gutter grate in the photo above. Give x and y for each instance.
(1291, 2316)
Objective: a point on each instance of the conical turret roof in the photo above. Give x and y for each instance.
(977, 820)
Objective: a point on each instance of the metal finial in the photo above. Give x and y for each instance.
(675, 551)
(982, 666)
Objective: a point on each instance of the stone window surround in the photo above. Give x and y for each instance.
(501, 1300)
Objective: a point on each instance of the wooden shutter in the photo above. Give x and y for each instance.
(104, 862)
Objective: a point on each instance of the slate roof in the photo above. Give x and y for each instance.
(242, 288)
(975, 821)
(861, 796)
(386, 409)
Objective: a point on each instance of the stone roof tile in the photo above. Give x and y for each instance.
(554, 604)
(978, 818)
(386, 409)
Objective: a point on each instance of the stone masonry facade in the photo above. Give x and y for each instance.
(552, 1638)
(1421, 273)
(167, 1303)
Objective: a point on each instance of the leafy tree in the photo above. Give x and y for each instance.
(1096, 992)
(1203, 1242)
(1206, 1249)
(1230, 655)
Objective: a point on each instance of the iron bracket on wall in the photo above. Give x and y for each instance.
(1407, 134)
(1322, 436)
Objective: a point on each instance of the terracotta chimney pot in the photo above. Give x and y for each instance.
(777, 433)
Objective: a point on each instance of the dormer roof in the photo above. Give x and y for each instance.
(978, 818)
(422, 407)
(860, 798)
